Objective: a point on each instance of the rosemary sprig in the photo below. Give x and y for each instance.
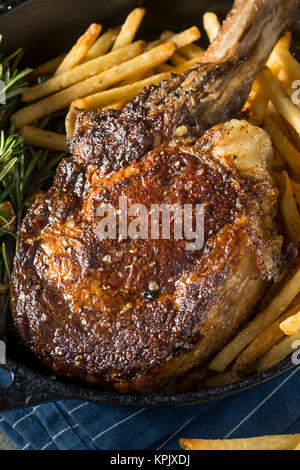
(12, 84)
(23, 169)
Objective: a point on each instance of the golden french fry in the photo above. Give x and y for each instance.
(262, 343)
(283, 145)
(177, 59)
(99, 82)
(288, 62)
(297, 447)
(283, 43)
(259, 105)
(48, 68)
(224, 378)
(136, 78)
(83, 71)
(279, 442)
(164, 68)
(289, 210)
(115, 95)
(284, 126)
(296, 190)
(80, 49)
(120, 105)
(278, 162)
(211, 25)
(185, 37)
(291, 325)
(182, 39)
(45, 139)
(277, 306)
(191, 379)
(102, 45)
(286, 81)
(279, 352)
(165, 35)
(185, 66)
(279, 98)
(179, 69)
(129, 28)
(191, 51)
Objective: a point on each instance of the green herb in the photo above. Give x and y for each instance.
(23, 169)
(13, 83)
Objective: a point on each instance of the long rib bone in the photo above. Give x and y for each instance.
(211, 92)
(216, 90)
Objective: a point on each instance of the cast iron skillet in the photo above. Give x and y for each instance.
(46, 28)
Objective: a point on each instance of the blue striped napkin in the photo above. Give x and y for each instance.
(271, 408)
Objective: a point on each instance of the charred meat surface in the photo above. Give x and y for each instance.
(83, 305)
(134, 314)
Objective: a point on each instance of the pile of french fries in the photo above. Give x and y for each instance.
(274, 333)
(107, 70)
(103, 70)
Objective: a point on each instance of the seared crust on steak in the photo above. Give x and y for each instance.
(80, 303)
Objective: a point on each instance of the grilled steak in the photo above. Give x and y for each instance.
(133, 314)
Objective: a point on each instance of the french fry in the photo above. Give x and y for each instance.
(284, 126)
(296, 190)
(297, 447)
(286, 81)
(80, 49)
(283, 145)
(211, 25)
(137, 78)
(129, 28)
(185, 37)
(120, 105)
(262, 343)
(289, 210)
(270, 314)
(97, 83)
(279, 442)
(279, 98)
(259, 105)
(48, 68)
(165, 35)
(291, 325)
(185, 66)
(279, 163)
(191, 379)
(102, 45)
(191, 51)
(115, 95)
(279, 352)
(283, 43)
(224, 378)
(45, 139)
(288, 62)
(81, 72)
(177, 59)
(164, 68)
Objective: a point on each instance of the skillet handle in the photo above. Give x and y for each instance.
(26, 388)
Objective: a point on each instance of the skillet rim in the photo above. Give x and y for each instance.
(31, 387)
